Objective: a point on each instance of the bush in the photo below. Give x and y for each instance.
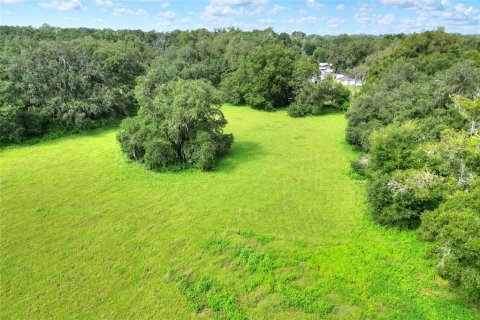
(360, 166)
(177, 126)
(394, 147)
(313, 99)
(399, 199)
(400, 186)
(11, 127)
(61, 86)
(454, 229)
(159, 154)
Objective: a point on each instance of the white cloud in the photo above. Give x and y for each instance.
(185, 21)
(165, 19)
(266, 21)
(334, 22)
(11, 1)
(168, 15)
(232, 8)
(238, 2)
(399, 3)
(122, 10)
(164, 5)
(314, 4)
(7, 12)
(362, 17)
(277, 8)
(302, 20)
(63, 5)
(423, 5)
(363, 7)
(447, 14)
(212, 12)
(431, 14)
(386, 20)
(104, 3)
(340, 7)
(98, 20)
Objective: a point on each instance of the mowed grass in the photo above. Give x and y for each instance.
(278, 231)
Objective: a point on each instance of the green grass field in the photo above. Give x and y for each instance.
(278, 231)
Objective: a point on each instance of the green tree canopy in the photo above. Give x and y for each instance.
(182, 127)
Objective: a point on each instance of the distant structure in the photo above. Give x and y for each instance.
(348, 81)
(327, 71)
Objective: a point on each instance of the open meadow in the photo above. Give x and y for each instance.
(278, 230)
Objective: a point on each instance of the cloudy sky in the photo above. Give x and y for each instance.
(310, 16)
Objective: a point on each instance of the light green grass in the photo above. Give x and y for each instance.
(278, 231)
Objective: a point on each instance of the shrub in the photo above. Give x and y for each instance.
(360, 166)
(159, 153)
(400, 198)
(11, 127)
(62, 86)
(394, 147)
(177, 126)
(454, 229)
(313, 99)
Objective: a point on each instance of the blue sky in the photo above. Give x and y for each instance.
(310, 16)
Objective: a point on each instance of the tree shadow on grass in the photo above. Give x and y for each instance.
(240, 153)
(59, 136)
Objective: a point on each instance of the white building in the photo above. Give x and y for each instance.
(326, 70)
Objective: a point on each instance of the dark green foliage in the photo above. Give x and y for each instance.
(397, 193)
(159, 153)
(454, 229)
(313, 99)
(359, 167)
(304, 69)
(404, 155)
(346, 51)
(400, 198)
(401, 90)
(177, 126)
(430, 52)
(270, 83)
(69, 85)
(414, 168)
(456, 155)
(12, 128)
(67, 80)
(394, 148)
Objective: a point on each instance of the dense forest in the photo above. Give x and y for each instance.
(57, 80)
(416, 119)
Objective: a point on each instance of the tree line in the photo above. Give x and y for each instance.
(59, 80)
(55, 81)
(417, 120)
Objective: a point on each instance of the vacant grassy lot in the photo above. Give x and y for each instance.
(278, 231)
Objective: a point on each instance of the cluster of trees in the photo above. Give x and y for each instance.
(417, 120)
(179, 126)
(314, 99)
(56, 80)
(65, 85)
(345, 52)
(417, 117)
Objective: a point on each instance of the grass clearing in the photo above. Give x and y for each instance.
(278, 230)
